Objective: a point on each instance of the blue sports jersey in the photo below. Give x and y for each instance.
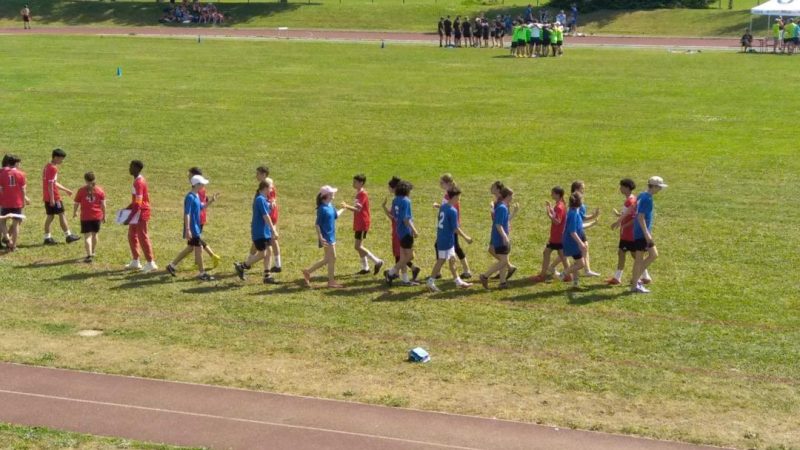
(326, 220)
(401, 209)
(192, 207)
(582, 210)
(446, 227)
(259, 228)
(574, 225)
(644, 205)
(500, 218)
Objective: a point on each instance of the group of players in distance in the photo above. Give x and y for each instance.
(569, 219)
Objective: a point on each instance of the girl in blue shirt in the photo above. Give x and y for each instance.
(500, 241)
(326, 234)
(262, 232)
(574, 245)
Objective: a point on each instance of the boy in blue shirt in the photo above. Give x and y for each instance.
(447, 227)
(326, 235)
(500, 242)
(262, 231)
(192, 230)
(573, 240)
(406, 232)
(642, 237)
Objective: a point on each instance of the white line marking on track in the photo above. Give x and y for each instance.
(233, 419)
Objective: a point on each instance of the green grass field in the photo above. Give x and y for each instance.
(710, 356)
(35, 438)
(406, 15)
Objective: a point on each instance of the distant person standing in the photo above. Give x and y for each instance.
(25, 12)
(529, 13)
(573, 24)
(561, 17)
(448, 31)
(137, 221)
(777, 32)
(440, 30)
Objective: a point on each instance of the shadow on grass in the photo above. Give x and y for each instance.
(211, 287)
(135, 13)
(395, 295)
(44, 265)
(595, 295)
(144, 279)
(89, 275)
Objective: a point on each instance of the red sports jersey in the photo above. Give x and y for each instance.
(140, 199)
(91, 203)
(203, 205)
(628, 216)
(272, 198)
(557, 229)
(395, 240)
(361, 219)
(12, 184)
(49, 180)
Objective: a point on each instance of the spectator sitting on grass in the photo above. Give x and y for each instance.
(747, 41)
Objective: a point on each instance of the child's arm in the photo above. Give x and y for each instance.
(386, 210)
(75, 209)
(589, 224)
(25, 194)
(464, 235)
(514, 211)
(503, 234)
(552, 214)
(353, 208)
(319, 236)
(60, 187)
(103, 209)
(269, 223)
(210, 200)
(187, 220)
(643, 226)
(410, 224)
(578, 239)
(594, 215)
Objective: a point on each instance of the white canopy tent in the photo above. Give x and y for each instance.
(774, 8)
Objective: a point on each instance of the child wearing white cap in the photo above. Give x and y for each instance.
(191, 230)
(326, 234)
(642, 236)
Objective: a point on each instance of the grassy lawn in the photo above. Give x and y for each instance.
(34, 438)
(408, 15)
(710, 356)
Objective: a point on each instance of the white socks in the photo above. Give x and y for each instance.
(372, 257)
(277, 260)
(364, 263)
(618, 275)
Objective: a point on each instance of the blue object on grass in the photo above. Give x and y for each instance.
(418, 354)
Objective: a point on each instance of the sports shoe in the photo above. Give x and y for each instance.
(511, 271)
(171, 270)
(377, 269)
(72, 238)
(438, 277)
(537, 278)
(463, 284)
(149, 267)
(205, 277)
(389, 277)
(363, 272)
(639, 289)
(88, 259)
(613, 281)
(50, 241)
(646, 280)
(134, 265)
(503, 285)
(414, 273)
(466, 276)
(409, 283)
(432, 286)
(565, 278)
(484, 281)
(334, 285)
(215, 260)
(590, 273)
(275, 269)
(239, 268)
(270, 280)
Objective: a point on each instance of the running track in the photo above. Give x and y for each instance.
(198, 415)
(392, 36)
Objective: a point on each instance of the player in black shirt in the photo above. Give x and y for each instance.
(466, 26)
(440, 30)
(448, 31)
(485, 28)
(457, 32)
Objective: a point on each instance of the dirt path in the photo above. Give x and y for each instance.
(341, 35)
(198, 415)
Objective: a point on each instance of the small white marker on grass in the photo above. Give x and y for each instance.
(90, 333)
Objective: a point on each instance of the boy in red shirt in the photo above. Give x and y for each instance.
(361, 223)
(53, 205)
(624, 221)
(13, 197)
(92, 201)
(137, 221)
(558, 219)
(205, 202)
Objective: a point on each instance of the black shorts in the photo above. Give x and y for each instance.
(626, 246)
(514, 44)
(54, 210)
(641, 245)
(502, 250)
(486, 35)
(90, 226)
(4, 211)
(261, 244)
(360, 235)
(554, 246)
(467, 35)
(521, 43)
(448, 33)
(560, 43)
(576, 256)
(407, 242)
(196, 242)
(536, 41)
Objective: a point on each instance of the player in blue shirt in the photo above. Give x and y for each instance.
(589, 220)
(326, 235)
(192, 230)
(262, 231)
(573, 239)
(642, 237)
(500, 241)
(447, 228)
(406, 232)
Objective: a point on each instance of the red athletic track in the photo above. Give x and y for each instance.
(198, 415)
(637, 41)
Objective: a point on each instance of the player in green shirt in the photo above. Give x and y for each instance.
(528, 43)
(776, 35)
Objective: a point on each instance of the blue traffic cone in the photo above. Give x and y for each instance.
(119, 71)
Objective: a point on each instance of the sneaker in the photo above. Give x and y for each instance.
(414, 273)
(149, 267)
(50, 241)
(239, 268)
(431, 286)
(134, 265)
(270, 280)
(503, 285)
(463, 284)
(72, 238)
(438, 277)
(409, 283)
(646, 280)
(275, 269)
(565, 278)
(389, 277)
(334, 285)
(205, 277)
(363, 272)
(215, 260)
(377, 269)
(88, 259)
(484, 281)
(612, 281)
(466, 276)
(537, 279)
(171, 270)
(639, 289)
(589, 273)
(511, 271)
